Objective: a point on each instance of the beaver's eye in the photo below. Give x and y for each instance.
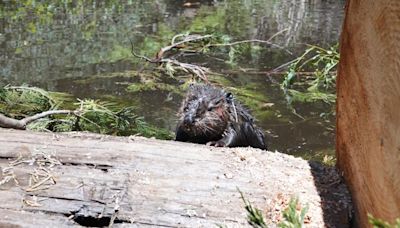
(186, 109)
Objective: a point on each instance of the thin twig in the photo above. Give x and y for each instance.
(276, 34)
(250, 41)
(187, 39)
(140, 56)
(306, 73)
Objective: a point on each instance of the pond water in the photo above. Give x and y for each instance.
(84, 48)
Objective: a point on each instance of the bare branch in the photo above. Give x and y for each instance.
(278, 33)
(255, 41)
(250, 41)
(187, 39)
(7, 122)
(160, 54)
(30, 119)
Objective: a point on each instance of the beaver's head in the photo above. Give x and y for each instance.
(205, 111)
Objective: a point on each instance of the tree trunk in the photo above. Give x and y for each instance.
(368, 107)
(64, 180)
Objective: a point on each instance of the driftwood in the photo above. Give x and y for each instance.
(60, 180)
(368, 123)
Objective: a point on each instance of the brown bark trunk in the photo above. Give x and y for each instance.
(368, 107)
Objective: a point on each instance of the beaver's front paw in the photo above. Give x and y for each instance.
(216, 143)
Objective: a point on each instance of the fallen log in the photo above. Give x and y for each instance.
(81, 179)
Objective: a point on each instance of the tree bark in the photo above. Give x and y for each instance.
(368, 107)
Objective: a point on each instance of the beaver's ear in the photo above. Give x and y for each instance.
(229, 97)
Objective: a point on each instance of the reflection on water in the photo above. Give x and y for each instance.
(76, 46)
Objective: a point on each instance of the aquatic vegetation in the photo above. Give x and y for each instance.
(253, 100)
(319, 81)
(151, 86)
(88, 115)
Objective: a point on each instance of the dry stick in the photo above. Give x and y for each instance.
(284, 65)
(173, 45)
(250, 41)
(36, 186)
(278, 33)
(266, 72)
(256, 41)
(7, 122)
(195, 69)
(160, 54)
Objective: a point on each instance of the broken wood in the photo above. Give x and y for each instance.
(102, 180)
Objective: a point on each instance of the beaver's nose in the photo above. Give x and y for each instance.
(188, 120)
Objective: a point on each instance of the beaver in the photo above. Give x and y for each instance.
(211, 116)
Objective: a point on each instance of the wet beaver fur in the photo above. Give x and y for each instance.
(211, 116)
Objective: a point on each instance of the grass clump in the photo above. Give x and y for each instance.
(293, 218)
(380, 223)
(254, 215)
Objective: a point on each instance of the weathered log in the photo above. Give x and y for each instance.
(368, 107)
(96, 179)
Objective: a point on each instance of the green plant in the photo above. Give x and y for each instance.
(379, 223)
(19, 101)
(254, 215)
(320, 79)
(292, 218)
(90, 115)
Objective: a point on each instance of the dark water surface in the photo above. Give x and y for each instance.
(83, 48)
